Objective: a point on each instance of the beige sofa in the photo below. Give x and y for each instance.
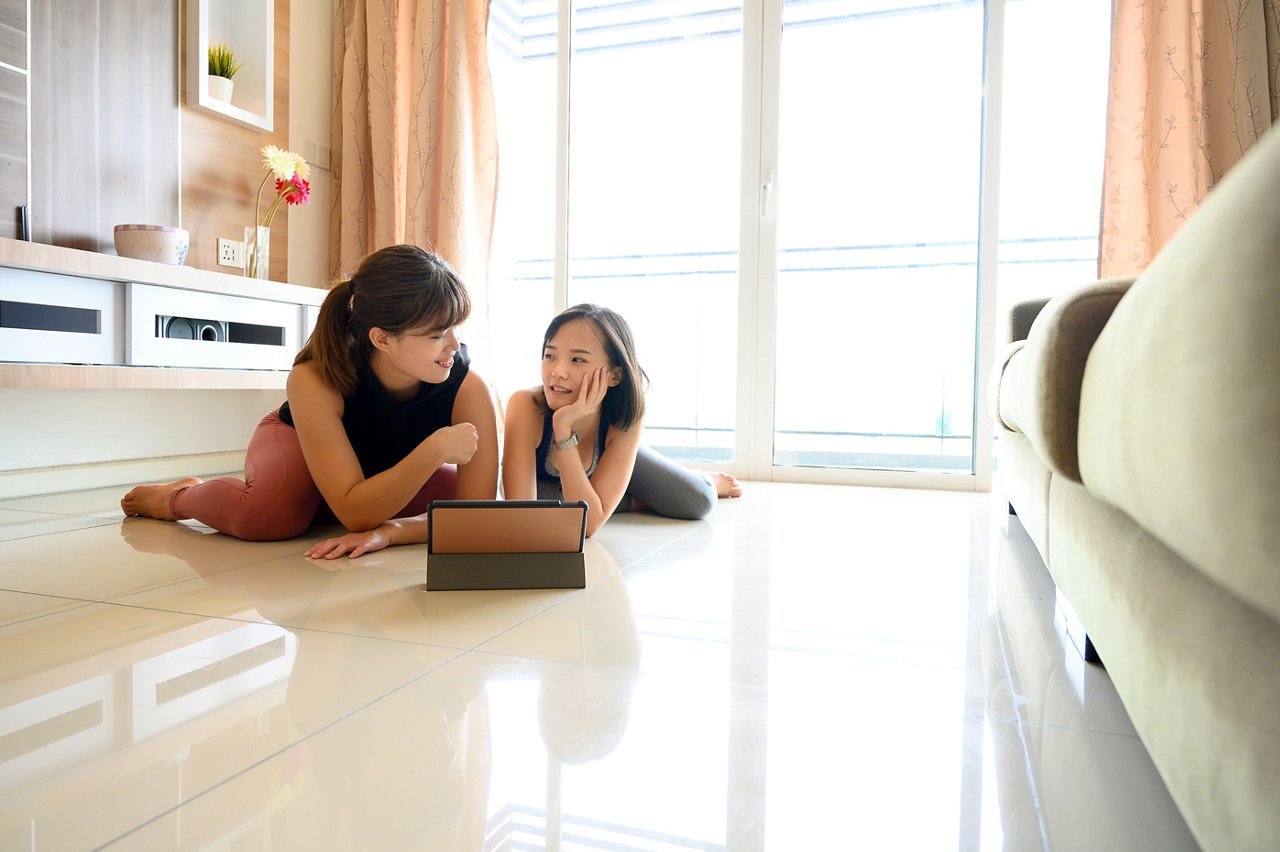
(1139, 444)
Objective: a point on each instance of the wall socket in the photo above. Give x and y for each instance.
(231, 253)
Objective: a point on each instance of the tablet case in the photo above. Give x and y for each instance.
(506, 544)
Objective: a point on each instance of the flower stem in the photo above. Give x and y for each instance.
(257, 205)
(271, 211)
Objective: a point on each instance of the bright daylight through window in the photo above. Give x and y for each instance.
(874, 210)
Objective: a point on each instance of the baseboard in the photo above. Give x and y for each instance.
(56, 480)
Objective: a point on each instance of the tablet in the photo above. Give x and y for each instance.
(506, 544)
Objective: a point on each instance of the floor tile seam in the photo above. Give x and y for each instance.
(277, 753)
(1047, 726)
(568, 664)
(1010, 719)
(975, 533)
(89, 602)
(58, 531)
(1020, 728)
(57, 514)
(576, 593)
(681, 536)
(80, 604)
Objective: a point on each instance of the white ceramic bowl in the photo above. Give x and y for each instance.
(153, 242)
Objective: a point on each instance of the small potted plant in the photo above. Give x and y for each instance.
(222, 67)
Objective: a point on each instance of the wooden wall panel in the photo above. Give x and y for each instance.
(13, 150)
(105, 133)
(221, 167)
(13, 33)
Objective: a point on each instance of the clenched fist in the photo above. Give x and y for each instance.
(457, 443)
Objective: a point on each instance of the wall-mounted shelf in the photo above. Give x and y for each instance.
(248, 27)
(120, 347)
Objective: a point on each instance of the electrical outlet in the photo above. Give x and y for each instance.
(231, 253)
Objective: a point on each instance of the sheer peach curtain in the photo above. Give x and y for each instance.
(415, 146)
(1193, 86)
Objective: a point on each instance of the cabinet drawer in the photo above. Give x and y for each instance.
(182, 328)
(60, 319)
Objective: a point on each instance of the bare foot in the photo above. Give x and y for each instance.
(726, 484)
(152, 501)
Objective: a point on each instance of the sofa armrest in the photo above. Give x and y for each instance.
(1022, 315)
(1039, 390)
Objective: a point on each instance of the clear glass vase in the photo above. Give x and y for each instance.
(257, 251)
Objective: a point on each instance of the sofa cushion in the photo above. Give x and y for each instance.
(1180, 405)
(1193, 664)
(1038, 391)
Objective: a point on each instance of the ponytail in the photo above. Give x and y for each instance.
(331, 345)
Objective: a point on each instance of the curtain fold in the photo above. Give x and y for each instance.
(1193, 86)
(415, 146)
(414, 140)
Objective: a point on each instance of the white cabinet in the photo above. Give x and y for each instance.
(60, 319)
(248, 28)
(183, 328)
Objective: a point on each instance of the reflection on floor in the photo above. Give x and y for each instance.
(815, 667)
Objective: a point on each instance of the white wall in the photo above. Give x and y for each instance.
(52, 428)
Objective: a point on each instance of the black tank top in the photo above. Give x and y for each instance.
(383, 431)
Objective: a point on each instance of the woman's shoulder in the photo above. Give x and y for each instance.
(526, 406)
(527, 398)
(306, 376)
(307, 387)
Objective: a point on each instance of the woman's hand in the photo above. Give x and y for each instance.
(357, 544)
(456, 443)
(590, 396)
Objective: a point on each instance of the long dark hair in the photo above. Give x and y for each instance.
(396, 289)
(623, 405)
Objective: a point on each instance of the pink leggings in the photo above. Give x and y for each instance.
(277, 498)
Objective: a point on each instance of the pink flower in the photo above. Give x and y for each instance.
(295, 190)
(290, 172)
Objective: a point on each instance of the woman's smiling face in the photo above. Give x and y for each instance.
(418, 355)
(575, 350)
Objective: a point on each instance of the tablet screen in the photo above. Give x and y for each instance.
(506, 526)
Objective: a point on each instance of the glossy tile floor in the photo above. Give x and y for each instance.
(815, 667)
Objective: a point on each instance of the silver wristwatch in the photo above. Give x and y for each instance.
(568, 443)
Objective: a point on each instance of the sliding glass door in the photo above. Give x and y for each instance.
(878, 173)
(784, 200)
(654, 140)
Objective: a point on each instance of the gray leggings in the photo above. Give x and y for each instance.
(661, 485)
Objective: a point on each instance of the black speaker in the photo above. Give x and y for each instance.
(189, 328)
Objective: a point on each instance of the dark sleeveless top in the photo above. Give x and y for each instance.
(546, 468)
(383, 431)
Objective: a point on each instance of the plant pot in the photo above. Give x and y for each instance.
(220, 88)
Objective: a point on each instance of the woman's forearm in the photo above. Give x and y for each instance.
(372, 501)
(576, 485)
(406, 530)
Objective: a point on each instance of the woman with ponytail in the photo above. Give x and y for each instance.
(383, 415)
